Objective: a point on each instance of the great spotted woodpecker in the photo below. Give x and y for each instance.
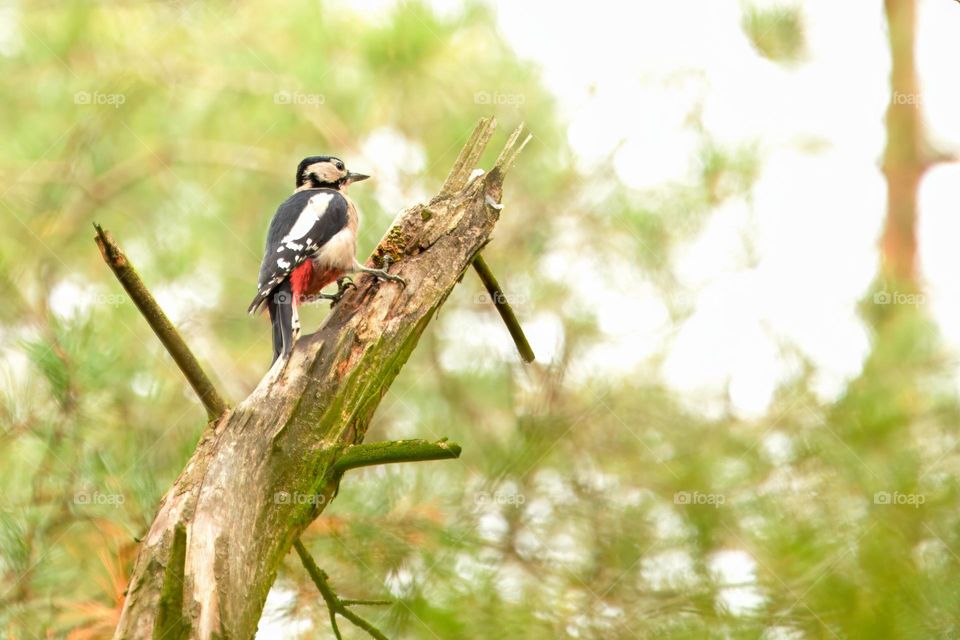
(312, 242)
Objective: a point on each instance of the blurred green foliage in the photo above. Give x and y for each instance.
(583, 506)
(776, 31)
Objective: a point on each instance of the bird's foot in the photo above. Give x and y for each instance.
(343, 285)
(382, 273)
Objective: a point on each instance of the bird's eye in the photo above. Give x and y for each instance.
(339, 165)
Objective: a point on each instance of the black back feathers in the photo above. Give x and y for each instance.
(301, 226)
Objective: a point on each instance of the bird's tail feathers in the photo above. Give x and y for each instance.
(259, 300)
(282, 317)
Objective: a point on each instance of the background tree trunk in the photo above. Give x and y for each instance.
(905, 158)
(266, 469)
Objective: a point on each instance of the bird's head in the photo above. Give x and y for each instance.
(315, 172)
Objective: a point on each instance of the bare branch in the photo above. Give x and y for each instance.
(500, 301)
(334, 603)
(372, 453)
(160, 323)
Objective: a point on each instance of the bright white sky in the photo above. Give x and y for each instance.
(817, 209)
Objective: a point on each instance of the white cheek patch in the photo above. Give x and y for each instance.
(316, 207)
(325, 171)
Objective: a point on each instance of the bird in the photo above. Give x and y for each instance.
(311, 243)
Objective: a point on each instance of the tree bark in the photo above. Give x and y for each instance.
(267, 468)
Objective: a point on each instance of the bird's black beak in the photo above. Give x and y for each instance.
(355, 177)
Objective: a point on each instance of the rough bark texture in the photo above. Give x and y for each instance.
(267, 468)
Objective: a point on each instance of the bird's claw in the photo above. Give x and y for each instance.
(382, 273)
(343, 284)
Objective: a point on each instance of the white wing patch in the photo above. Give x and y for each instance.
(316, 207)
(295, 242)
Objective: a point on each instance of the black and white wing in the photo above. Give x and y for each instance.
(301, 225)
